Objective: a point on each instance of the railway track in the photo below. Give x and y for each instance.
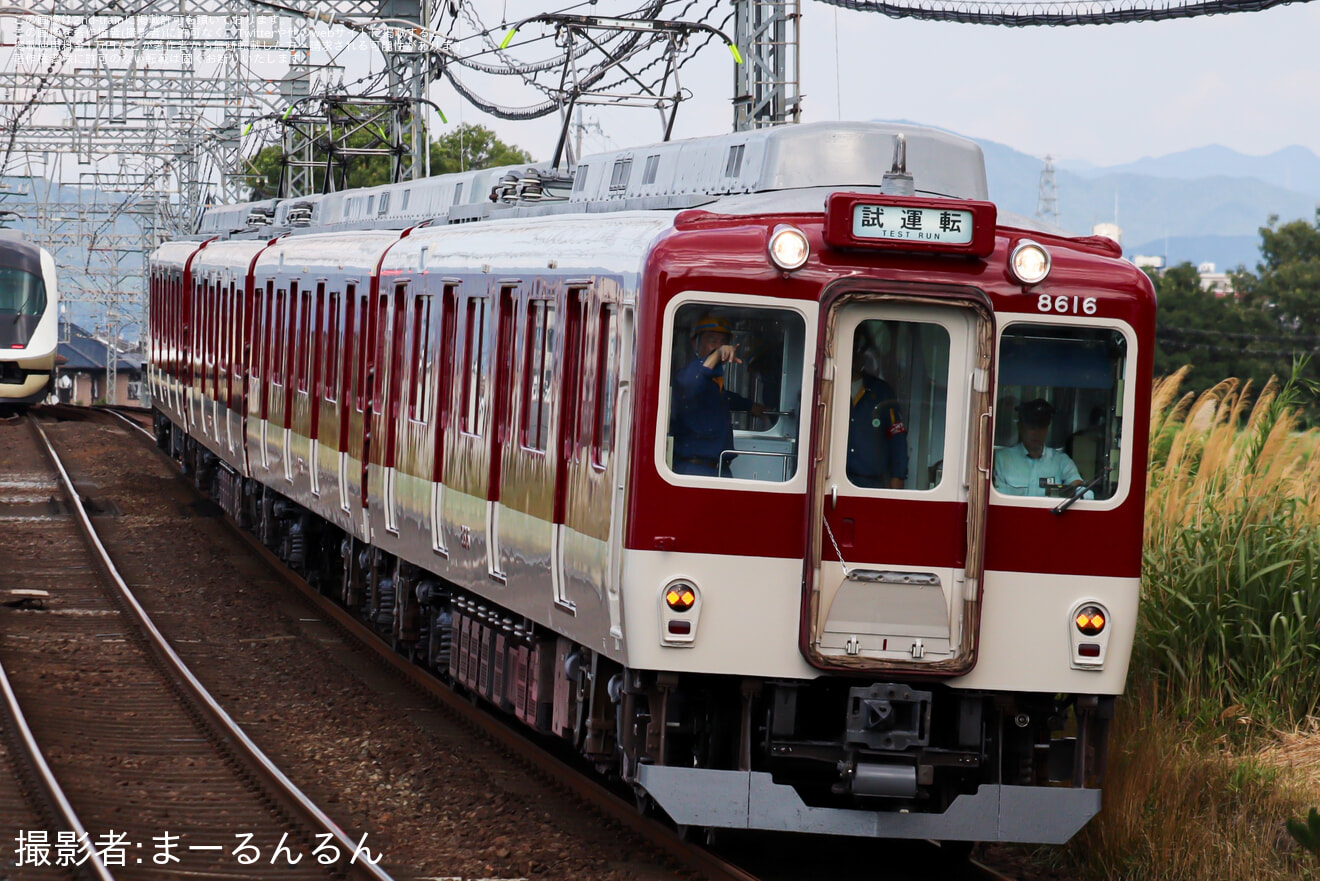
(159, 782)
(512, 742)
(724, 863)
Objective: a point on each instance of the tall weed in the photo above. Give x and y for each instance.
(1230, 609)
(1179, 809)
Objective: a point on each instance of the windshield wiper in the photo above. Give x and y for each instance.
(27, 298)
(1081, 491)
(21, 307)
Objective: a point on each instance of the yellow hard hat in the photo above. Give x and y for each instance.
(711, 324)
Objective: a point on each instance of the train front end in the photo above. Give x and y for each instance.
(28, 322)
(898, 598)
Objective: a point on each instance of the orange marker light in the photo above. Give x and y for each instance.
(1090, 620)
(680, 597)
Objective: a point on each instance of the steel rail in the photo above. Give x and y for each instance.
(114, 411)
(561, 773)
(275, 780)
(16, 722)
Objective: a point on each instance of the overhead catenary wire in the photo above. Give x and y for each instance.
(1054, 13)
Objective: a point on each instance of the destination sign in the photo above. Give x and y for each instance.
(911, 224)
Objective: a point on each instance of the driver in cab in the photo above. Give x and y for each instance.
(700, 423)
(1030, 468)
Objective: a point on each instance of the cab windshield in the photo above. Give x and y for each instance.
(735, 387)
(1059, 412)
(21, 293)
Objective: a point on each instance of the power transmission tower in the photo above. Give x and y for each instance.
(125, 118)
(323, 126)
(1047, 198)
(766, 88)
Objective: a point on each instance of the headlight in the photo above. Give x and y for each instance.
(1030, 262)
(789, 248)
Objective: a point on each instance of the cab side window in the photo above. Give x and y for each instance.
(1059, 411)
(735, 390)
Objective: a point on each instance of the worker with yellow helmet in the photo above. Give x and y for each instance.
(699, 422)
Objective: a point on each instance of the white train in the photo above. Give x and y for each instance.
(702, 458)
(29, 321)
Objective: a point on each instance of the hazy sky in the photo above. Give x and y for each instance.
(1106, 94)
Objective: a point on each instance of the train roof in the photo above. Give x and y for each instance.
(740, 168)
(17, 253)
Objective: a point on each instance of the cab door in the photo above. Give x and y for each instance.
(902, 484)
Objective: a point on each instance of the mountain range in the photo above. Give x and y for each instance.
(1202, 205)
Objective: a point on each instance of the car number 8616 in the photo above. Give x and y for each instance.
(1066, 305)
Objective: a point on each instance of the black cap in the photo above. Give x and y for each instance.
(1036, 413)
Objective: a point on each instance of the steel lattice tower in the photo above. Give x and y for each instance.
(766, 89)
(119, 121)
(1047, 197)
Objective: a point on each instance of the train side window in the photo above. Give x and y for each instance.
(385, 348)
(208, 324)
(476, 358)
(1059, 410)
(222, 344)
(419, 378)
(292, 348)
(196, 317)
(537, 363)
(360, 373)
(735, 392)
(351, 326)
(607, 380)
(267, 314)
(279, 344)
(318, 331)
(448, 344)
(333, 338)
(235, 356)
(397, 347)
(304, 338)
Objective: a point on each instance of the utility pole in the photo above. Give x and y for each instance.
(767, 86)
(1047, 198)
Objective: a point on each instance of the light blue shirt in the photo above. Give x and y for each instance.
(1017, 474)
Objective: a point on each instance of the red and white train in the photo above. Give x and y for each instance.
(454, 405)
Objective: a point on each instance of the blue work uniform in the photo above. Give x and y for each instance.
(1017, 474)
(877, 437)
(699, 423)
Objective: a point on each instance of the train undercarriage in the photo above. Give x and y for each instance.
(845, 747)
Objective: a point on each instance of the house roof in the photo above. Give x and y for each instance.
(82, 351)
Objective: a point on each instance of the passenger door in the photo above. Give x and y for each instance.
(566, 445)
(902, 486)
(502, 423)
